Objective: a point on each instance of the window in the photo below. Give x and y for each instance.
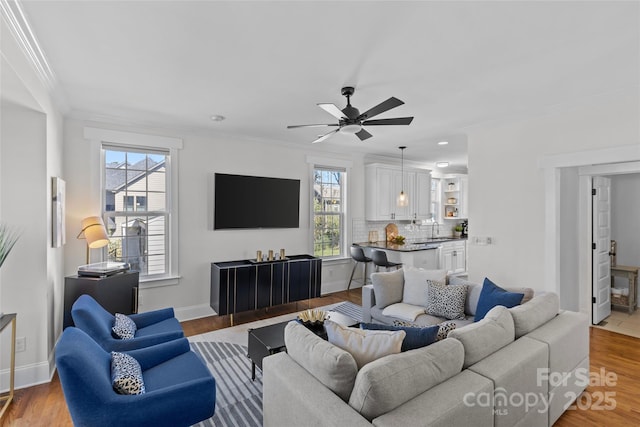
(328, 212)
(135, 208)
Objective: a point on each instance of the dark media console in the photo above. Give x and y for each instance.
(238, 286)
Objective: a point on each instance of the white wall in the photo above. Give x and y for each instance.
(198, 244)
(31, 280)
(625, 214)
(507, 198)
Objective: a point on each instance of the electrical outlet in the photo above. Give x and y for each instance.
(21, 344)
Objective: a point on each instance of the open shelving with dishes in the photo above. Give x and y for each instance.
(454, 197)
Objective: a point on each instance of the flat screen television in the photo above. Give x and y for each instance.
(243, 201)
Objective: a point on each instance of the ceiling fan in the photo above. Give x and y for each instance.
(351, 121)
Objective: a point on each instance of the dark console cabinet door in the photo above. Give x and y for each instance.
(117, 293)
(244, 285)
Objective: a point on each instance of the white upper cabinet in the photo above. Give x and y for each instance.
(383, 185)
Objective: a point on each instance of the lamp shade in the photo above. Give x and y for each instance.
(95, 232)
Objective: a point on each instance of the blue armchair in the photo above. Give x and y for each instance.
(180, 390)
(154, 327)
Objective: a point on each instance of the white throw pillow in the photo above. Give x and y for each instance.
(364, 345)
(400, 310)
(415, 284)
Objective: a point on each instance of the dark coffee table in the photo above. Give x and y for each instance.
(269, 340)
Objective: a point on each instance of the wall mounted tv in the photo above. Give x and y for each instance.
(255, 202)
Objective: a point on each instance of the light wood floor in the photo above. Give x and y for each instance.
(44, 405)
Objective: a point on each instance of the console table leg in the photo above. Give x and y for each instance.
(253, 371)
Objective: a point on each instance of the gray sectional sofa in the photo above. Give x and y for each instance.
(494, 372)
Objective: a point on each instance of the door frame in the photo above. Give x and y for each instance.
(608, 161)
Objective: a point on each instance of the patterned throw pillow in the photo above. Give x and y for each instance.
(446, 301)
(445, 328)
(126, 374)
(405, 324)
(123, 327)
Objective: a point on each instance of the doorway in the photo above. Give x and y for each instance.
(568, 222)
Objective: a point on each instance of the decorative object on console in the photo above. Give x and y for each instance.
(94, 232)
(492, 295)
(351, 121)
(403, 200)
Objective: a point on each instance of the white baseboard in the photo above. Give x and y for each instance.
(193, 312)
(28, 375)
(339, 285)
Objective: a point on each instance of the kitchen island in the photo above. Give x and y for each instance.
(423, 253)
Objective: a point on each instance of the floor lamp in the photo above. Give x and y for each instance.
(94, 232)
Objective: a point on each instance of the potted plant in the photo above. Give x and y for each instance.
(457, 230)
(7, 240)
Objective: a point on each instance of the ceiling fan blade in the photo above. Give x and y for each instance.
(396, 121)
(363, 134)
(381, 108)
(333, 110)
(311, 126)
(325, 136)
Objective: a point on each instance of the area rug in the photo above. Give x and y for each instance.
(238, 399)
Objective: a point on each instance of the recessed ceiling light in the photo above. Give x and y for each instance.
(217, 118)
(443, 142)
(442, 164)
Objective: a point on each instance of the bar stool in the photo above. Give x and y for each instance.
(379, 258)
(358, 255)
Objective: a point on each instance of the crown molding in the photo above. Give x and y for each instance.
(16, 21)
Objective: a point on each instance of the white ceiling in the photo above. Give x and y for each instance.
(264, 65)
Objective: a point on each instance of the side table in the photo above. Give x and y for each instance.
(5, 320)
(631, 274)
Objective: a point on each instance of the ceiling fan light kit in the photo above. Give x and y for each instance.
(351, 121)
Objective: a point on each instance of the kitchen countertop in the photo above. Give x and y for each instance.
(410, 246)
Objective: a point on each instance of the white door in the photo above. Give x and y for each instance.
(601, 240)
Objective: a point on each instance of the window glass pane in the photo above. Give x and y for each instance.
(328, 213)
(135, 185)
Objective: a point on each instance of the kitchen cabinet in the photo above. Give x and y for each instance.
(453, 257)
(383, 185)
(454, 196)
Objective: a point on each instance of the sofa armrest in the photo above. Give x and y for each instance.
(368, 301)
(294, 397)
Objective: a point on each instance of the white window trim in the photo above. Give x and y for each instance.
(97, 137)
(347, 165)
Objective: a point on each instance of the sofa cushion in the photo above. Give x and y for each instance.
(332, 366)
(487, 336)
(123, 327)
(493, 295)
(364, 346)
(387, 383)
(415, 284)
(535, 313)
(416, 336)
(403, 311)
(388, 287)
(446, 301)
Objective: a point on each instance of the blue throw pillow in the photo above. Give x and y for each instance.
(492, 295)
(415, 337)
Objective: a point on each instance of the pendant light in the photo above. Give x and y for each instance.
(403, 200)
